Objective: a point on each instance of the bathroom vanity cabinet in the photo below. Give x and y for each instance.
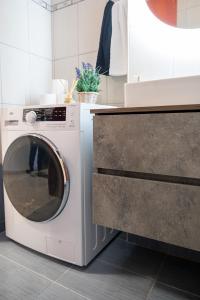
(146, 178)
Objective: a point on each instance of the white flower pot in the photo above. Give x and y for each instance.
(88, 97)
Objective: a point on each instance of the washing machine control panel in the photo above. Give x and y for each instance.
(45, 114)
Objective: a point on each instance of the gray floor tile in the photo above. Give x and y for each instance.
(17, 283)
(162, 292)
(132, 257)
(39, 263)
(123, 236)
(162, 247)
(101, 281)
(56, 291)
(182, 274)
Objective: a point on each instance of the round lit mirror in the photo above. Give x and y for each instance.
(178, 13)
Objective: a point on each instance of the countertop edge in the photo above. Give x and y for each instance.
(149, 109)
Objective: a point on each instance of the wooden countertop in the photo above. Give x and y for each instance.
(154, 109)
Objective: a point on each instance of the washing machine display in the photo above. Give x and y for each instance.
(46, 114)
(35, 178)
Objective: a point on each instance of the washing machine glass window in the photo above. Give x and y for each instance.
(35, 178)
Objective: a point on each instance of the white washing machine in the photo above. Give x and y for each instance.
(47, 162)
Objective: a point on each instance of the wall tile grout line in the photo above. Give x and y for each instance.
(71, 56)
(64, 4)
(26, 52)
(43, 4)
(77, 33)
(57, 6)
(29, 56)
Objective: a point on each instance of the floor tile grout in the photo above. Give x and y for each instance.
(75, 292)
(78, 275)
(180, 290)
(59, 284)
(125, 269)
(171, 286)
(54, 282)
(98, 259)
(156, 278)
(26, 268)
(45, 277)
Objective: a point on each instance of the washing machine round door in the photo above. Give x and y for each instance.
(35, 178)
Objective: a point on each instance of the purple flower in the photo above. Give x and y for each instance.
(78, 73)
(84, 66)
(89, 66)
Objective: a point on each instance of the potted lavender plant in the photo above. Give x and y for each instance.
(88, 81)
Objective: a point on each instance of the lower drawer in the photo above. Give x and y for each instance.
(162, 211)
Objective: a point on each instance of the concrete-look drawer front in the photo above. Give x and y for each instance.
(159, 143)
(162, 211)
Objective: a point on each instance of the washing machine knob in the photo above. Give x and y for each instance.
(31, 117)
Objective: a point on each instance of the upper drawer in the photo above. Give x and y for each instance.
(158, 143)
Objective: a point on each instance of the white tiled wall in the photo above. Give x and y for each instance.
(40, 77)
(188, 13)
(25, 58)
(65, 29)
(14, 23)
(159, 51)
(76, 33)
(14, 75)
(26, 48)
(40, 31)
(90, 15)
(25, 51)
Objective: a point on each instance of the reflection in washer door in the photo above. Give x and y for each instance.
(35, 178)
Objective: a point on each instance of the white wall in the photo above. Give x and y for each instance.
(76, 33)
(25, 57)
(188, 13)
(157, 50)
(25, 51)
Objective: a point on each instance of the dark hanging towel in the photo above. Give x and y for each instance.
(103, 57)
